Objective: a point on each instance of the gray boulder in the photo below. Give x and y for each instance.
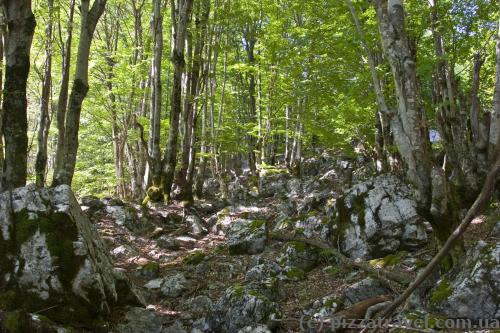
(314, 227)
(246, 237)
(239, 308)
(298, 254)
(50, 253)
(378, 217)
(140, 320)
(364, 289)
(273, 185)
(473, 292)
(173, 286)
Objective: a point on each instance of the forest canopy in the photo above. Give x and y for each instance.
(262, 82)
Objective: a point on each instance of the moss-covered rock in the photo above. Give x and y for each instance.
(378, 217)
(52, 258)
(240, 307)
(194, 258)
(300, 255)
(472, 290)
(246, 237)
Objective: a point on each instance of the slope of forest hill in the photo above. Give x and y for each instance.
(261, 260)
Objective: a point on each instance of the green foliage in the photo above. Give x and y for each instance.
(307, 61)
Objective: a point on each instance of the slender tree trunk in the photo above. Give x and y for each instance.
(21, 26)
(250, 42)
(475, 107)
(62, 103)
(383, 111)
(494, 135)
(180, 23)
(89, 19)
(44, 121)
(2, 56)
(156, 94)
(287, 136)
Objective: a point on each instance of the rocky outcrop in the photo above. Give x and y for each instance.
(246, 237)
(474, 292)
(378, 217)
(240, 308)
(52, 258)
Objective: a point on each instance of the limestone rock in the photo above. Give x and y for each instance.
(246, 237)
(173, 286)
(239, 308)
(50, 253)
(378, 217)
(364, 289)
(473, 292)
(140, 320)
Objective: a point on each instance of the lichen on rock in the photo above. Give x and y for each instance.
(51, 254)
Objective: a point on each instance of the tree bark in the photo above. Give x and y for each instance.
(184, 177)
(89, 19)
(494, 134)
(20, 29)
(180, 24)
(408, 124)
(156, 94)
(62, 104)
(383, 113)
(2, 56)
(44, 120)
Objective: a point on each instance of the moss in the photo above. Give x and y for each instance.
(390, 260)
(420, 263)
(333, 302)
(194, 258)
(151, 266)
(442, 291)
(295, 273)
(257, 224)
(12, 322)
(220, 249)
(154, 194)
(298, 246)
(238, 290)
(332, 270)
(8, 300)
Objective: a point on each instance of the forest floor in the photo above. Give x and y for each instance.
(157, 245)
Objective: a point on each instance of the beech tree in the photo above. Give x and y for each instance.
(65, 169)
(181, 13)
(19, 36)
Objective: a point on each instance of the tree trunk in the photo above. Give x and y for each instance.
(383, 112)
(184, 177)
(180, 24)
(250, 41)
(62, 103)
(156, 94)
(494, 135)
(408, 124)
(89, 19)
(21, 27)
(2, 56)
(44, 121)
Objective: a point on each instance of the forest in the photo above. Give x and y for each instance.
(174, 166)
